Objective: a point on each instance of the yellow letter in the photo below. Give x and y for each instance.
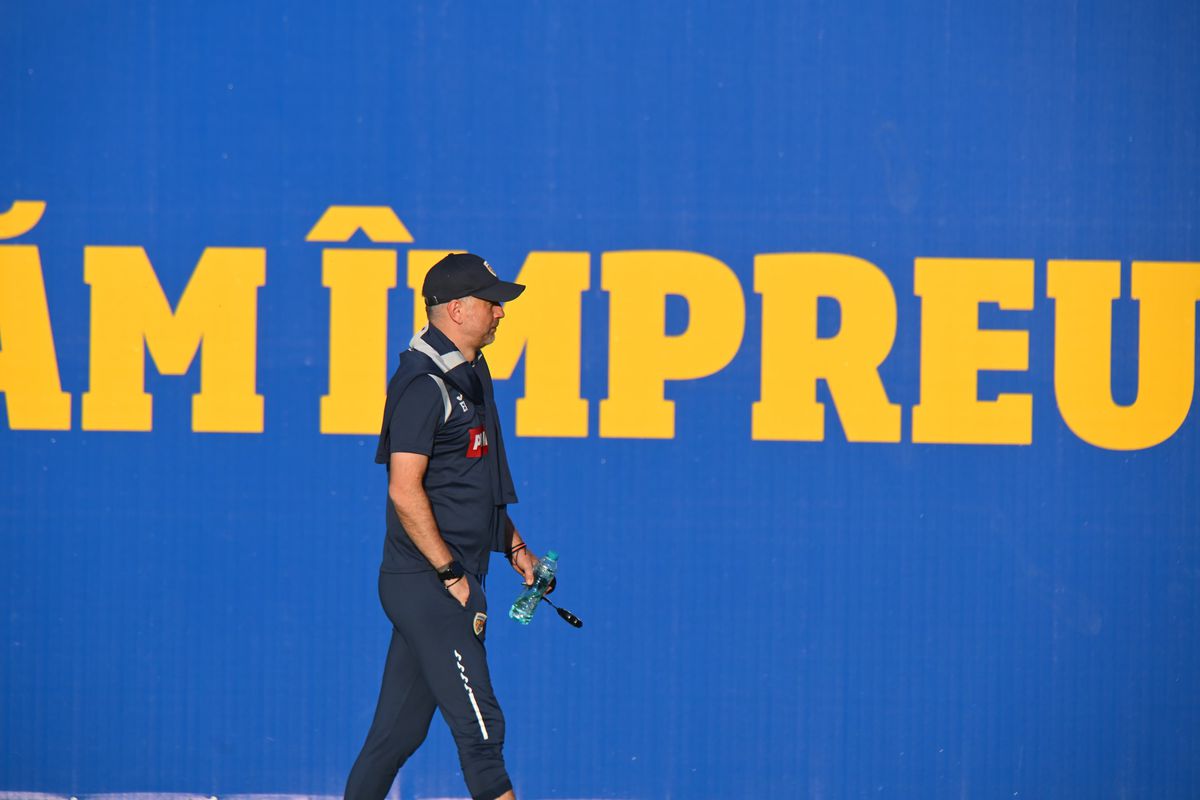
(794, 357)
(21, 218)
(545, 324)
(219, 307)
(358, 282)
(954, 350)
(1084, 292)
(641, 356)
(28, 363)
(340, 223)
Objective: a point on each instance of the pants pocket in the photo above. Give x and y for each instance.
(471, 584)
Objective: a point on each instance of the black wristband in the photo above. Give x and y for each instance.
(516, 549)
(453, 570)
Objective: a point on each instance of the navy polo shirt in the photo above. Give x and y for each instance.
(443, 414)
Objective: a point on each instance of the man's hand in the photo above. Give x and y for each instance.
(460, 589)
(524, 562)
(521, 557)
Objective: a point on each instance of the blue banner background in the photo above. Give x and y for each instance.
(197, 611)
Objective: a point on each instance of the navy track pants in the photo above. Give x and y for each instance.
(435, 660)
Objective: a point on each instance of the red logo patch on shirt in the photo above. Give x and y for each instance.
(477, 444)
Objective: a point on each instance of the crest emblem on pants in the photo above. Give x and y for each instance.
(480, 621)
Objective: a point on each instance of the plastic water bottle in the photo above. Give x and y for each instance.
(527, 603)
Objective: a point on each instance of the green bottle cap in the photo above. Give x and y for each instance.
(551, 555)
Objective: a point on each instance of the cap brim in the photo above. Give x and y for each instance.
(500, 292)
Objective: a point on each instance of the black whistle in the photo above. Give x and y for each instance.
(569, 617)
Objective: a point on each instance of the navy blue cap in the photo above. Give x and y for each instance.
(466, 275)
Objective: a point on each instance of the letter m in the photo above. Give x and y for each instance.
(130, 315)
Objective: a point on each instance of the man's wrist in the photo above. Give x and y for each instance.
(450, 572)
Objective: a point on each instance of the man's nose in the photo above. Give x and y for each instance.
(498, 311)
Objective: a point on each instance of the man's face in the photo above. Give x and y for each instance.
(480, 318)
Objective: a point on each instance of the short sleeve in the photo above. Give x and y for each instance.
(416, 417)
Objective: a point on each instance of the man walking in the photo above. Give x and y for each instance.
(448, 492)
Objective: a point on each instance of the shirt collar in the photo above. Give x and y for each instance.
(435, 344)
